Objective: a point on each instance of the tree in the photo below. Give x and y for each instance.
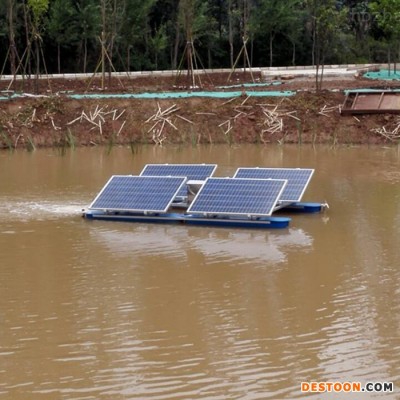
(360, 24)
(194, 23)
(11, 5)
(325, 21)
(62, 26)
(135, 32)
(233, 22)
(387, 15)
(275, 17)
(88, 23)
(146, 34)
(158, 42)
(293, 30)
(38, 10)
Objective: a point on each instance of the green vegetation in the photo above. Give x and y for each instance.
(66, 36)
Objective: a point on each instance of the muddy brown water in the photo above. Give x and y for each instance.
(108, 310)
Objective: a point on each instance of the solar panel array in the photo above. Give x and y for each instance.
(228, 196)
(138, 193)
(190, 171)
(298, 179)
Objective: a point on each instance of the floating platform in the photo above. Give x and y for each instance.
(246, 200)
(190, 219)
(303, 208)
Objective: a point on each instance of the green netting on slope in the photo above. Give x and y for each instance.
(383, 74)
(368, 90)
(13, 96)
(180, 95)
(170, 95)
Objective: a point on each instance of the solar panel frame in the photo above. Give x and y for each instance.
(191, 171)
(130, 193)
(237, 197)
(203, 170)
(298, 179)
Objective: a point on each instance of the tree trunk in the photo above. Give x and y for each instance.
(103, 59)
(176, 46)
(59, 58)
(251, 51)
(37, 51)
(11, 35)
(28, 46)
(316, 56)
(271, 52)
(230, 34)
(189, 61)
(314, 35)
(321, 75)
(294, 53)
(103, 41)
(84, 55)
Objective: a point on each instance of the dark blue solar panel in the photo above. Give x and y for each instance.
(228, 196)
(298, 179)
(190, 171)
(138, 193)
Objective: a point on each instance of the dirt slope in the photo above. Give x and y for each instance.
(307, 117)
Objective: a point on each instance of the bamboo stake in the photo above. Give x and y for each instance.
(120, 129)
(185, 119)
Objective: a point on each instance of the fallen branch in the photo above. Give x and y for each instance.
(226, 102)
(120, 129)
(185, 119)
(391, 135)
(99, 118)
(326, 110)
(244, 101)
(162, 118)
(273, 120)
(56, 128)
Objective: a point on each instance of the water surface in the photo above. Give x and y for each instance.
(109, 310)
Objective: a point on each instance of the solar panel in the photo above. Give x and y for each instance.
(298, 179)
(191, 171)
(138, 193)
(228, 196)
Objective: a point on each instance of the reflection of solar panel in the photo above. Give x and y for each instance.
(298, 179)
(191, 171)
(228, 196)
(138, 193)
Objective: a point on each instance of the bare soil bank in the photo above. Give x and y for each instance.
(307, 117)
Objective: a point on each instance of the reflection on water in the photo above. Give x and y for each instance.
(215, 245)
(108, 310)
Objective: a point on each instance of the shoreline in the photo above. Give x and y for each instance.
(305, 117)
